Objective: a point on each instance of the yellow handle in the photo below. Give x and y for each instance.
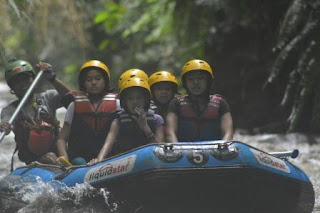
(64, 161)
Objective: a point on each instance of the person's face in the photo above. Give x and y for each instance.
(21, 83)
(134, 99)
(163, 92)
(196, 82)
(94, 83)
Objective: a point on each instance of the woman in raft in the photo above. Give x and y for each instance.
(199, 115)
(89, 117)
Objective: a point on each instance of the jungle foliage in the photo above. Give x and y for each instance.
(265, 54)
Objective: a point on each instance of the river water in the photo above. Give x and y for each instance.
(84, 198)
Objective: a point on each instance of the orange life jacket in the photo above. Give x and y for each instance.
(90, 126)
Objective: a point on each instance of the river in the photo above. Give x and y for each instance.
(84, 198)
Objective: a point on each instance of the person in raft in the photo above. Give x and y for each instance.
(164, 86)
(35, 128)
(89, 116)
(198, 116)
(136, 124)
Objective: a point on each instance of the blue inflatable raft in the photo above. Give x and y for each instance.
(211, 176)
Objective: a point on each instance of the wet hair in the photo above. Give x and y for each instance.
(83, 74)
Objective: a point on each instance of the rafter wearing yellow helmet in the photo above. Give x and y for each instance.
(199, 115)
(163, 85)
(136, 125)
(89, 116)
(94, 65)
(137, 83)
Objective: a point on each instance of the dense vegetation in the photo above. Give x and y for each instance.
(265, 54)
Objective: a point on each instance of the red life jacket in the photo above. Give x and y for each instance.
(90, 126)
(199, 127)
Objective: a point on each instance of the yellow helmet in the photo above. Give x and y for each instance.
(162, 76)
(132, 73)
(92, 64)
(134, 82)
(95, 64)
(196, 65)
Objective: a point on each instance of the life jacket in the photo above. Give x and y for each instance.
(130, 135)
(35, 136)
(194, 127)
(91, 126)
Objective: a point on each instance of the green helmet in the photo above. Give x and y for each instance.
(16, 67)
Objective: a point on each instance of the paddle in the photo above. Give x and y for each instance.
(23, 101)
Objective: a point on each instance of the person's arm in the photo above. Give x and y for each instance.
(227, 126)
(62, 141)
(172, 127)
(65, 132)
(109, 142)
(60, 87)
(159, 134)
(50, 75)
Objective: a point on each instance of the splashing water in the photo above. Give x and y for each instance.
(81, 198)
(37, 196)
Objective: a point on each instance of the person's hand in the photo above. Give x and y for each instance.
(93, 161)
(48, 72)
(5, 127)
(140, 117)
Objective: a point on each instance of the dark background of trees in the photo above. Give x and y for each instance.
(265, 53)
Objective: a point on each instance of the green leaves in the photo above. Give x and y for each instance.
(156, 21)
(110, 16)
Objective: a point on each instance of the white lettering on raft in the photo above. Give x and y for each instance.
(109, 170)
(270, 161)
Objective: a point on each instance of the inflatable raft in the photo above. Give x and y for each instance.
(211, 176)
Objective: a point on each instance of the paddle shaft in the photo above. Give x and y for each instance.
(23, 101)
